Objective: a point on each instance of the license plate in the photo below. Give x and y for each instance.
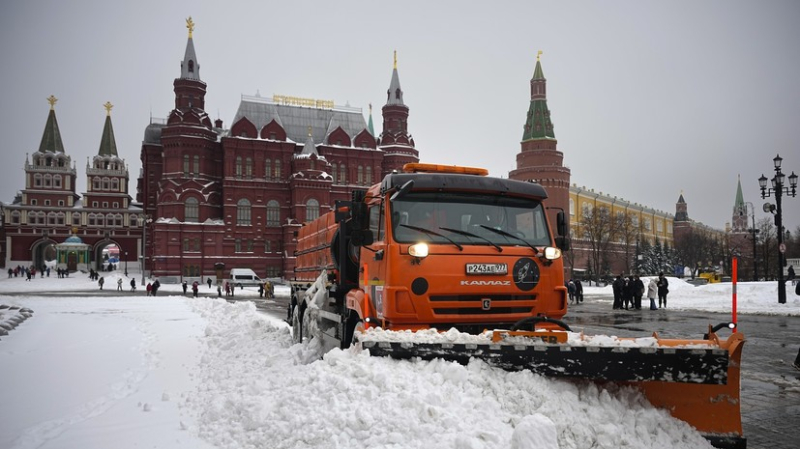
(487, 268)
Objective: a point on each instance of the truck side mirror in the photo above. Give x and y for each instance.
(402, 190)
(561, 224)
(362, 238)
(563, 243)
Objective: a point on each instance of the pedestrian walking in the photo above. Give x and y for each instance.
(133, 284)
(209, 282)
(195, 287)
(260, 290)
(663, 290)
(156, 286)
(578, 290)
(119, 284)
(149, 289)
(571, 291)
(227, 289)
(184, 285)
(101, 281)
(652, 293)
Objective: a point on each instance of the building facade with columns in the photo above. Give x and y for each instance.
(48, 211)
(218, 198)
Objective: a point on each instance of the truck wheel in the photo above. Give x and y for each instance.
(297, 325)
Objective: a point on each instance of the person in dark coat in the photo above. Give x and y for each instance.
(616, 287)
(195, 287)
(638, 292)
(627, 293)
(156, 285)
(209, 282)
(579, 290)
(184, 285)
(663, 289)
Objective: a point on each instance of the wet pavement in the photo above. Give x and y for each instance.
(770, 385)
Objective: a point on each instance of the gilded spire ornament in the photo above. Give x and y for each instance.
(395, 59)
(108, 107)
(190, 26)
(538, 55)
(309, 131)
(52, 100)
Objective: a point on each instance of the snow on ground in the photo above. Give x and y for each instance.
(125, 370)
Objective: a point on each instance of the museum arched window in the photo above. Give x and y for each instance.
(342, 174)
(196, 168)
(60, 218)
(369, 175)
(277, 169)
(243, 212)
(360, 178)
(273, 213)
(100, 220)
(312, 209)
(51, 218)
(95, 184)
(105, 183)
(57, 181)
(76, 219)
(333, 172)
(191, 210)
(238, 167)
(134, 220)
(15, 217)
(185, 165)
(248, 168)
(37, 180)
(268, 170)
(115, 184)
(48, 180)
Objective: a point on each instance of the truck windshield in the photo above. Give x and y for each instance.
(474, 215)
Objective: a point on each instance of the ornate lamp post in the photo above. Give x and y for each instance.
(126, 264)
(778, 190)
(754, 232)
(145, 221)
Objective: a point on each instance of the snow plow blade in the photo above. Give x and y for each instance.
(697, 381)
(704, 366)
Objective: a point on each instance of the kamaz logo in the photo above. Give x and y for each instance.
(506, 283)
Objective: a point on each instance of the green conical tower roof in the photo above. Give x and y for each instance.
(537, 123)
(739, 197)
(369, 125)
(108, 145)
(51, 139)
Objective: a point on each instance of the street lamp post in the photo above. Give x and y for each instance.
(126, 264)
(778, 190)
(145, 220)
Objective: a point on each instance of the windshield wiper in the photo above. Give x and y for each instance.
(469, 234)
(508, 234)
(429, 232)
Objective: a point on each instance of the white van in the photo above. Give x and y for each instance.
(244, 277)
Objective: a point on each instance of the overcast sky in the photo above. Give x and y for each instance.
(649, 99)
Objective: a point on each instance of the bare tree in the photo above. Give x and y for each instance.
(597, 228)
(626, 233)
(768, 240)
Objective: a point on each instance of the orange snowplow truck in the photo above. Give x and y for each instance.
(435, 247)
(449, 247)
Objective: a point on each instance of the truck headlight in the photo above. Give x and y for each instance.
(418, 250)
(552, 253)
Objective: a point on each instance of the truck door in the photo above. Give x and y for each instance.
(372, 259)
